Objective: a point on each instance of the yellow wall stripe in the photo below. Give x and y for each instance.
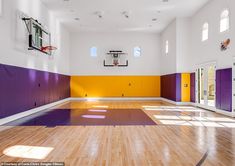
(185, 87)
(115, 86)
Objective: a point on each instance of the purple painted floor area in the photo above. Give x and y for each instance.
(88, 117)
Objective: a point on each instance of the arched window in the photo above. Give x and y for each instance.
(137, 51)
(224, 20)
(1, 7)
(93, 52)
(205, 31)
(167, 47)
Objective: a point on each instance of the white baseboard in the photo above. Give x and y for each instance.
(30, 112)
(114, 98)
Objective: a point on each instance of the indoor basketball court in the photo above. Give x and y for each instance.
(117, 83)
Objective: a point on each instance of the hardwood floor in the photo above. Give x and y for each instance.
(182, 136)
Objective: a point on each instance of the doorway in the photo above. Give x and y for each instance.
(206, 86)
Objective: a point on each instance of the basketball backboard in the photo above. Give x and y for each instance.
(39, 37)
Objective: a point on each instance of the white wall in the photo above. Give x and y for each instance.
(183, 45)
(187, 51)
(179, 37)
(168, 61)
(83, 64)
(209, 51)
(14, 41)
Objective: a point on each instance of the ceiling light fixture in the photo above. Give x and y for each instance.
(154, 19)
(77, 19)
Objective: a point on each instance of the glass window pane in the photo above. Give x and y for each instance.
(167, 47)
(224, 21)
(205, 31)
(211, 86)
(93, 52)
(137, 51)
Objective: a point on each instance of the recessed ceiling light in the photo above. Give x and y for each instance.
(77, 19)
(154, 19)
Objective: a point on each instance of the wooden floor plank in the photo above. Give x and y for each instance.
(162, 144)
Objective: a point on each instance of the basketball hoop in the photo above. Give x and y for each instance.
(48, 48)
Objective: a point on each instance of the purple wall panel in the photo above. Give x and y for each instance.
(23, 89)
(224, 89)
(171, 87)
(218, 89)
(178, 87)
(192, 87)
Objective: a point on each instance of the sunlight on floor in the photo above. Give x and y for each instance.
(100, 106)
(173, 108)
(97, 110)
(94, 116)
(29, 152)
(91, 100)
(195, 121)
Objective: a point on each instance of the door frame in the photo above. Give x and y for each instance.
(205, 66)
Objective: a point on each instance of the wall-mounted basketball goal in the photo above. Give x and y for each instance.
(39, 38)
(115, 59)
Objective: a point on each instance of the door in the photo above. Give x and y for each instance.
(206, 80)
(233, 87)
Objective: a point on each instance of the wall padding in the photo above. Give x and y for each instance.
(115, 86)
(185, 87)
(23, 89)
(224, 89)
(171, 87)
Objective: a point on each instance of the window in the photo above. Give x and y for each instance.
(167, 47)
(137, 51)
(93, 52)
(205, 31)
(1, 8)
(224, 21)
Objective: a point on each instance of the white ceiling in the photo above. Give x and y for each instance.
(141, 13)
